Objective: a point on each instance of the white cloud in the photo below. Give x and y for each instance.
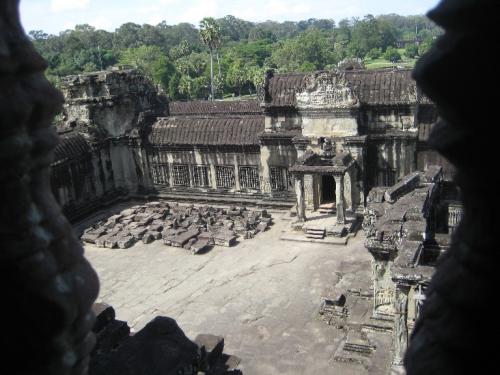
(64, 5)
(200, 10)
(101, 23)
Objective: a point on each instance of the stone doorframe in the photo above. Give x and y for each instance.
(340, 198)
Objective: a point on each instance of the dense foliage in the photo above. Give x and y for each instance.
(179, 58)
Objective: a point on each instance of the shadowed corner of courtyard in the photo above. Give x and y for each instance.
(262, 296)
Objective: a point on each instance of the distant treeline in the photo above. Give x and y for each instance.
(176, 58)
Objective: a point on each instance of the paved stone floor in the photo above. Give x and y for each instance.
(262, 296)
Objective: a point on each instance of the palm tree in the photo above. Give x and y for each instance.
(210, 36)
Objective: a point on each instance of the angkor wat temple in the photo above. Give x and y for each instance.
(340, 133)
(50, 287)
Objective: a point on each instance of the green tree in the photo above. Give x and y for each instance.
(425, 46)
(173, 87)
(411, 50)
(210, 35)
(392, 54)
(127, 36)
(233, 28)
(374, 53)
(311, 50)
(151, 61)
(370, 33)
(237, 75)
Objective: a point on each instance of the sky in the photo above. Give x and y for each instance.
(53, 16)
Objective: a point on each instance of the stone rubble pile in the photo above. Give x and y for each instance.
(194, 228)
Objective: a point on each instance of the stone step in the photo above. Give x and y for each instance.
(315, 230)
(318, 236)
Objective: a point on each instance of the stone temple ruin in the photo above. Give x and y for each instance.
(195, 229)
(329, 146)
(44, 269)
(312, 141)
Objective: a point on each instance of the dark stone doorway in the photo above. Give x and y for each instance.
(327, 189)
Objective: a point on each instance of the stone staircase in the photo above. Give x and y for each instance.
(315, 232)
(327, 208)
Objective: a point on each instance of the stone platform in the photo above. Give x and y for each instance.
(322, 228)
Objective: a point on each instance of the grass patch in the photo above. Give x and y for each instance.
(382, 63)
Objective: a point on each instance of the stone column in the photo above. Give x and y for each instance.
(309, 191)
(400, 331)
(299, 192)
(339, 198)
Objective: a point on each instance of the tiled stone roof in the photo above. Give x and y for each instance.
(207, 131)
(372, 87)
(71, 146)
(199, 107)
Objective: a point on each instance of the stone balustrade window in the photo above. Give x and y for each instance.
(280, 179)
(180, 175)
(201, 176)
(249, 177)
(225, 176)
(159, 169)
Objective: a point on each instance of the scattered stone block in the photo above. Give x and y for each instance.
(128, 212)
(111, 242)
(262, 226)
(126, 242)
(224, 238)
(138, 232)
(182, 238)
(148, 238)
(189, 227)
(155, 228)
(190, 242)
(200, 245)
(92, 235)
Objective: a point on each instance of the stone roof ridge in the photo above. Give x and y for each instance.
(207, 131)
(206, 107)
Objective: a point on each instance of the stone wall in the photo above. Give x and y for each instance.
(111, 111)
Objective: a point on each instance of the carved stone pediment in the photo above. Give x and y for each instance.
(327, 89)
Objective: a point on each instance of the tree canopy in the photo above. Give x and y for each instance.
(178, 57)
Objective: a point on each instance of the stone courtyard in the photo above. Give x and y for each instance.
(262, 296)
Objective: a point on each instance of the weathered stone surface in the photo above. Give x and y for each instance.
(407, 184)
(398, 229)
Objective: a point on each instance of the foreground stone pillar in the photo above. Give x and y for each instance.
(339, 198)
(299, 192)
(45, 282)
